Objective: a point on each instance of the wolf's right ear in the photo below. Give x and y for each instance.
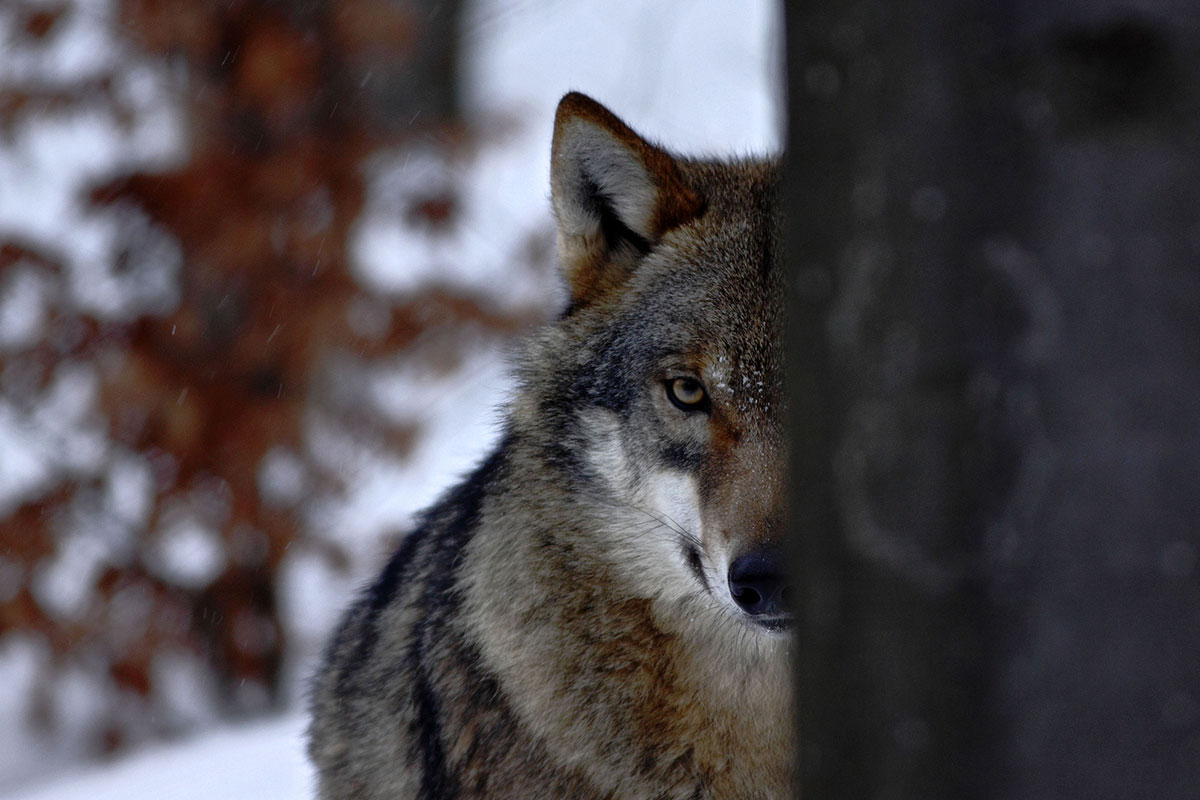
(614, 195)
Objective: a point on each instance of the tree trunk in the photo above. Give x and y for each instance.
(995, 232)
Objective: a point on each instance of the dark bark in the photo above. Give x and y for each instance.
(994, 216)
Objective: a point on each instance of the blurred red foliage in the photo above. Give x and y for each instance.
(261, 210)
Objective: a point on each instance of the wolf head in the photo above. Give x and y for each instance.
(657, 395)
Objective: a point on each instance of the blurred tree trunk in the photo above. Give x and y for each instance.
(995, 232)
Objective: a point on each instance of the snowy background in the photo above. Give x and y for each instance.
(151, 616)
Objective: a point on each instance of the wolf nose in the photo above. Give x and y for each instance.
(758, 583)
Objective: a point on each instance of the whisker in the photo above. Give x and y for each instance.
(727, 629)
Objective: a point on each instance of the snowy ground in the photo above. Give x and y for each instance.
(252, 762)
(697, 76)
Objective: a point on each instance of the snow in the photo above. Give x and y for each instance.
(282, 478)
(188, 553)
(63, 584)
(696, 82)
(22, 307)
(129, 489)
(21, 658)
(46, 162)
(250, 761)
(457, 412)
(47, 159)
(496, 217)
(82, 48)
(696, 76)
(56, 436)
(188, 689)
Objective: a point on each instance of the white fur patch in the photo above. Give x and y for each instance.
(606, 455)
(652, 513)
(650, 518)
(674, 496)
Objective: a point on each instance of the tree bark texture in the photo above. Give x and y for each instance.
(994, 228)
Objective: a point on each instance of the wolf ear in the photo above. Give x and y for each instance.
(614, 196)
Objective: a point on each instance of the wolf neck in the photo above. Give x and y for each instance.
(593, 669)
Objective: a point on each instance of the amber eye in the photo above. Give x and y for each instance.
(687, 394)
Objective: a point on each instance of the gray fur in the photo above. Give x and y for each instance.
(559, 625)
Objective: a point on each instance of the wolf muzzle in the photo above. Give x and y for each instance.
(758, 583)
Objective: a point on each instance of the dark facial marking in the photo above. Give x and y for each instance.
(614, 231)
(692, 556)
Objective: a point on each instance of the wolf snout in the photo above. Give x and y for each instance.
(758, 583)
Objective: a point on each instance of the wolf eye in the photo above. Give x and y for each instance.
(687, 394)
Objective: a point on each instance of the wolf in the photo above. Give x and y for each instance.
(599, 610)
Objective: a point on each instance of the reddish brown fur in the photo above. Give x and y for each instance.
(544, 635)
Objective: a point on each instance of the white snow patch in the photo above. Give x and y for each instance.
(22, 657)
(79, 699)
(50, 159)
(282, 477)
(188, 553)
(479, 246)
(25, 468)
(700, 77)
(306, 582)
(51, 439)
(78, 48)
(45, 164)
(62, 584)
(129, 612)
(129, 489)
(312, 598)
(457, 414)
(248, 762)
(23, 307)
(185, 689)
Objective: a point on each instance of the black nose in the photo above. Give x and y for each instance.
(758, 583)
